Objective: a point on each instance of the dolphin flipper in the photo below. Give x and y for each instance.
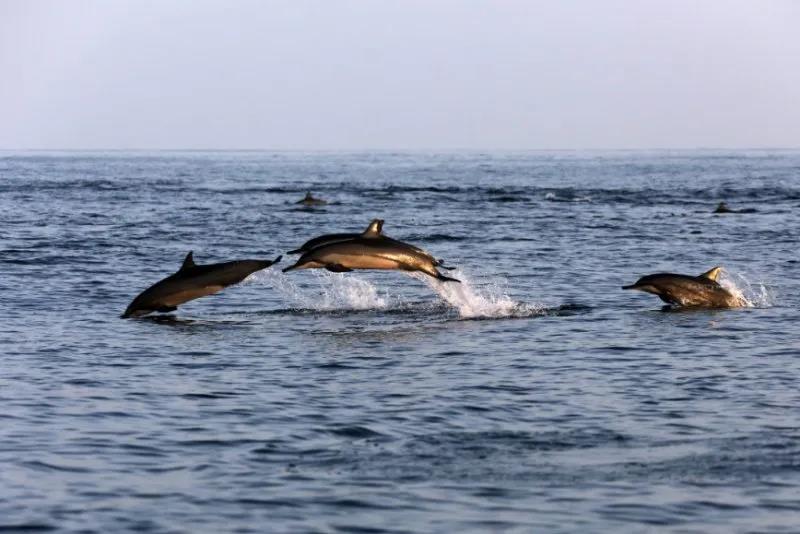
(338, 268)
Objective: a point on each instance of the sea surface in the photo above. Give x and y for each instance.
(536, 396)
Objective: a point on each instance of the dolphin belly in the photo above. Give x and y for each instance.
(176, 299)
(352, 261)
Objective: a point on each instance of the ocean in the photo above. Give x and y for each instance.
(536, 396)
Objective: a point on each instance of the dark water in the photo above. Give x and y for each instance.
(538, 396)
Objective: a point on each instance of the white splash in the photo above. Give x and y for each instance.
(754, 294)
(333, 292)
(489, 301)
(336, 291)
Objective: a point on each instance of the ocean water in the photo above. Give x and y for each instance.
(535, 396)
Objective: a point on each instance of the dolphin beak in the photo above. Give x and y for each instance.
(632, 286)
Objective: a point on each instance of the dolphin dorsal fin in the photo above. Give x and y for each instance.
(188, 262)
(713, 274)
(374, 229)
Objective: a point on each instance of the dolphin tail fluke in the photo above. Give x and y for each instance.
(440, 264)
(443, 278)
(276, 260)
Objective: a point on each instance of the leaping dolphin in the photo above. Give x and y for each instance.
(375, 229)
(689, 291)
(191, 282)
(369, 250)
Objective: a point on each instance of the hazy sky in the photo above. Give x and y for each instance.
(331, 74)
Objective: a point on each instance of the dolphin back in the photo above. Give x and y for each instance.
(321, 241)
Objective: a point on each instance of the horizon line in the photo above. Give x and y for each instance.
(397, 149)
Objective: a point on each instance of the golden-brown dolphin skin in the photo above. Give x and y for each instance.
(191, 282)
(689, 291)
(369, 250)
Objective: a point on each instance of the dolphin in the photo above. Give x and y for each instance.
(369, 250)
(310, 200)
(191, 282)
(689, 291)
(722, 207)
(374, 229)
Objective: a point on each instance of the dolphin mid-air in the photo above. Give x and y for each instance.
(375, 229)
(191, 282)
(368, 250)
(689, 291)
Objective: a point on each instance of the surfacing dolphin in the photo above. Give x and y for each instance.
(722, 207)
(689, 291)
(368, 250)
(191, 282)
(311, 200)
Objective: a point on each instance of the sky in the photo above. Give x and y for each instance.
(411, 74)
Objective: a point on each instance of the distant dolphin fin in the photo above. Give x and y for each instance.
(374, 229)
(188, 262)
(713, 274)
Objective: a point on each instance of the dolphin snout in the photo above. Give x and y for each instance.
(632, 286)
